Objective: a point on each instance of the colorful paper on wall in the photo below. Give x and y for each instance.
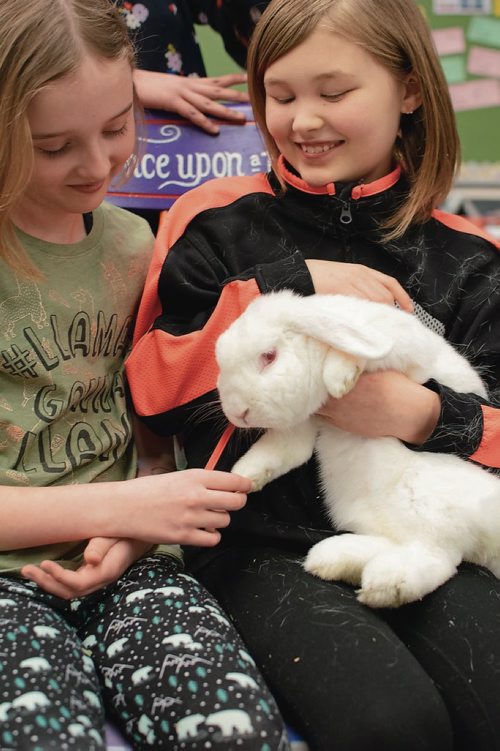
(484, 31)
(484, 62)
(473, 95)
(461, 7)
(496, 8)
(454, 68)
(449, 41)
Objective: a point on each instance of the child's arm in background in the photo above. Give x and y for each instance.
(197, 99)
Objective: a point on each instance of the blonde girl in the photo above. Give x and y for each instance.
(356, 115)
(98, 617)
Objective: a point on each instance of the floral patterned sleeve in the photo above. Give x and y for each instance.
(165, 35)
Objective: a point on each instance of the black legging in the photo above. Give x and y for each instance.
(425, 676)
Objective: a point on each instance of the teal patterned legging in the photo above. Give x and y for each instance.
(153, 651)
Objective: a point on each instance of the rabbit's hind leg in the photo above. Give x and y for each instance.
(404, 574)
(343, 557)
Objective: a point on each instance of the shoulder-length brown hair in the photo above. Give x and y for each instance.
(43, 41)
(397, 35)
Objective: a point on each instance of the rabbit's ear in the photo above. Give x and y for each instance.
(344, 323)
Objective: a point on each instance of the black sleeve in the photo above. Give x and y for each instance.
(234, 20)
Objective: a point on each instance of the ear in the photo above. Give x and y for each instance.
(344, 323)
(412, 96)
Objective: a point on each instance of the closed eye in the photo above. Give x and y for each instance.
(334, 97)
(267, 358)
(283, 99)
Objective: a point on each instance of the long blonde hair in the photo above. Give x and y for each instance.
(397, 35)
(43, 41)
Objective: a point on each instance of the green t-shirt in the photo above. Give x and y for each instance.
(63, 412)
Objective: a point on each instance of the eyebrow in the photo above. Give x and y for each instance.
(320, 77)
(41, 136)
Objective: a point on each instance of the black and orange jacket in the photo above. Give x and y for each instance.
(235, 238)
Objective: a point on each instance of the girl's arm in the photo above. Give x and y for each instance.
(180, 507)
(105, 559)
(337, 277)
(386, 403)
(434, 417)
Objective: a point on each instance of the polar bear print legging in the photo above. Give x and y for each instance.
(153, 652)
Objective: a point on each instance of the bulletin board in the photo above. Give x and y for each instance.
(467, 37)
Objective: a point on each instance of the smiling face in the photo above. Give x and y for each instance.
(334, 111)
(83, 131)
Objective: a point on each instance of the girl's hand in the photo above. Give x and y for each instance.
(106, 559)
(386, 403)
(336, 277)
(187, 507)
(191, 97)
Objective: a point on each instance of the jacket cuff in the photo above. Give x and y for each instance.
(287, 273)
(459, 428)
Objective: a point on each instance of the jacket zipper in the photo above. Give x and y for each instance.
(345, 214)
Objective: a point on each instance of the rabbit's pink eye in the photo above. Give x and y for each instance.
(267, 358)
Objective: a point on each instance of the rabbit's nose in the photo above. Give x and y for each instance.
(243, 416)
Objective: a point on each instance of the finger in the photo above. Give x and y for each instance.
(217, 520)
(47, 582)
(78, 583)
(228, 79)
(226, 95)
(376, 289)
(403, 299)
(205, 538)
(225, 481)
(189, 111)
(206, 103)
(97, 548)
(64, 576)
(223, 502)
(399, 294)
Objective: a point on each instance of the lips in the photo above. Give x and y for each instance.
(88, 187)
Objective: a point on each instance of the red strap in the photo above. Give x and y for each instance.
(217, 452)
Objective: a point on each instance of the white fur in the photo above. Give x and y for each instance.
(413, 516)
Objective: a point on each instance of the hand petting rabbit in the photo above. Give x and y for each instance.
(412, 516)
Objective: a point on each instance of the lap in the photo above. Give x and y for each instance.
(332, 663)
(173, 666)
(50, 690)
(455, 634)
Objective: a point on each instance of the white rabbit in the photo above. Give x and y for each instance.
(414, 515)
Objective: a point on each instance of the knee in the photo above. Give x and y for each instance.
(406, 721)
(391, 722)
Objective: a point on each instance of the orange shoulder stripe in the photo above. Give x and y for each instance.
(210, 195)
(166, 371)
(462, 224)
(488, 452)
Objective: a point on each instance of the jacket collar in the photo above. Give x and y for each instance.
(354, 191)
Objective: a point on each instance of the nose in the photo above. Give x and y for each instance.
(96, 162)
(243, 416)
(306, 119)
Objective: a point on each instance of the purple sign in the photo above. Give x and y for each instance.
(176, 156)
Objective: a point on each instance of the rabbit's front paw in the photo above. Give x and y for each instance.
(341, 374)
(258, 474)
